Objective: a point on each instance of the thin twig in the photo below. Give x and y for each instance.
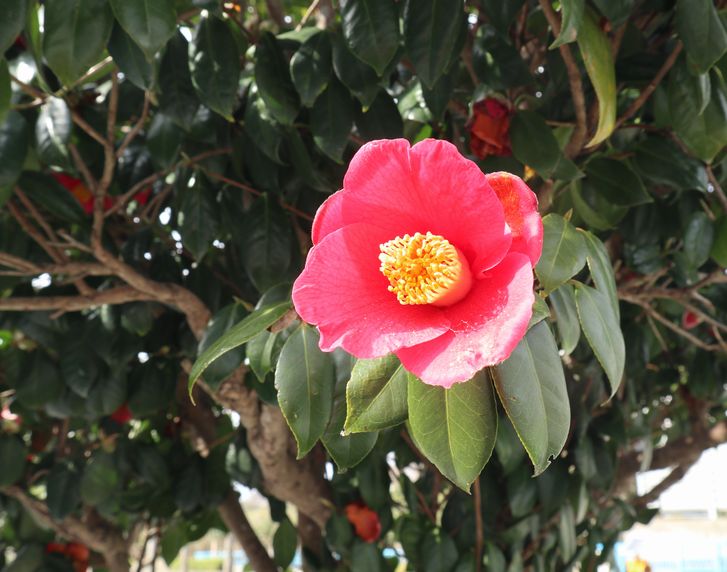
(138, 126)
(718, 190)
(151, 179)
(256, 192)
(649, 89)
(580, 132)
(308, 13)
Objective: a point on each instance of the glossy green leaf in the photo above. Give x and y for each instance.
(599, 263)
(107, 395)
(14, 139)
(617, 11)
(42, 383)
(567, 533)
(173, 539)
(661, 162)
(131, 60)
(431, 35)
(100, 480)
(533, 142)
(698, 238)
(376, 395)
(596, 210)
(439, 553)
(53, 131)
(272, 75)
(285, 543)
(571, 19)
(262, 352)
(178, 98)
(358, 77)
(564, 252)
(719, 246)
(455, 428)
(616, 181)
(371, 30)
(705, 133)
(332, 120)
(12, 21)
(64, 492)
(532, 389)
(51, 196)
(598, 60)
(267, 244)
(346, 450)
(600, 323)
(540, 312)
(240, 334)
(382, 120)
(164, 139)
(501, 14)
(311, 67)
(5, 90)
(564, 306)
(12, 457)
(268, 135)
(304, 380)
(703, 33)
(197, 218)
(215, 64)
(221, 323)
(150, 23)
(71, 45)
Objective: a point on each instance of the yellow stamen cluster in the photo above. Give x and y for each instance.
(421, 269)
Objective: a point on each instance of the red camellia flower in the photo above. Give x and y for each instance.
(489, 128)
(690, 320)
(81, 193)
(122, 415)
(75, 552)
(423, 255)
(364, 520)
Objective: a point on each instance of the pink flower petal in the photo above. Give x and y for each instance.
(521, 213)
(343, 292)
(428, 187)
(486, 326)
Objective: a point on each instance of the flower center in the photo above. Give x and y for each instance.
(425, 269)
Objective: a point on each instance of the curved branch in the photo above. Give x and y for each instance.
(91, 530)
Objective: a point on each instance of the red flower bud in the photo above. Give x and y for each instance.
(364, 520)
(489, 128)
(122, 415)
(690, 320)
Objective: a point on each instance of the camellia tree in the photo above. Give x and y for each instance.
(524, 274)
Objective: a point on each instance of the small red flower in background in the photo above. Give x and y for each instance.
(364, 520)
(122, 415)
(77, 553)
(142, 197)
(423, 255)
(81, 193)
(489, 128)
(690, 320)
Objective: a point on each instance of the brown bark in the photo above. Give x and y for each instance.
(299, 482)
(90, 529)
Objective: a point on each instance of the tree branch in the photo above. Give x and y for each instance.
(91, 530)
(649, 89)
(119, 295)
(578, 139)
(203, 420)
